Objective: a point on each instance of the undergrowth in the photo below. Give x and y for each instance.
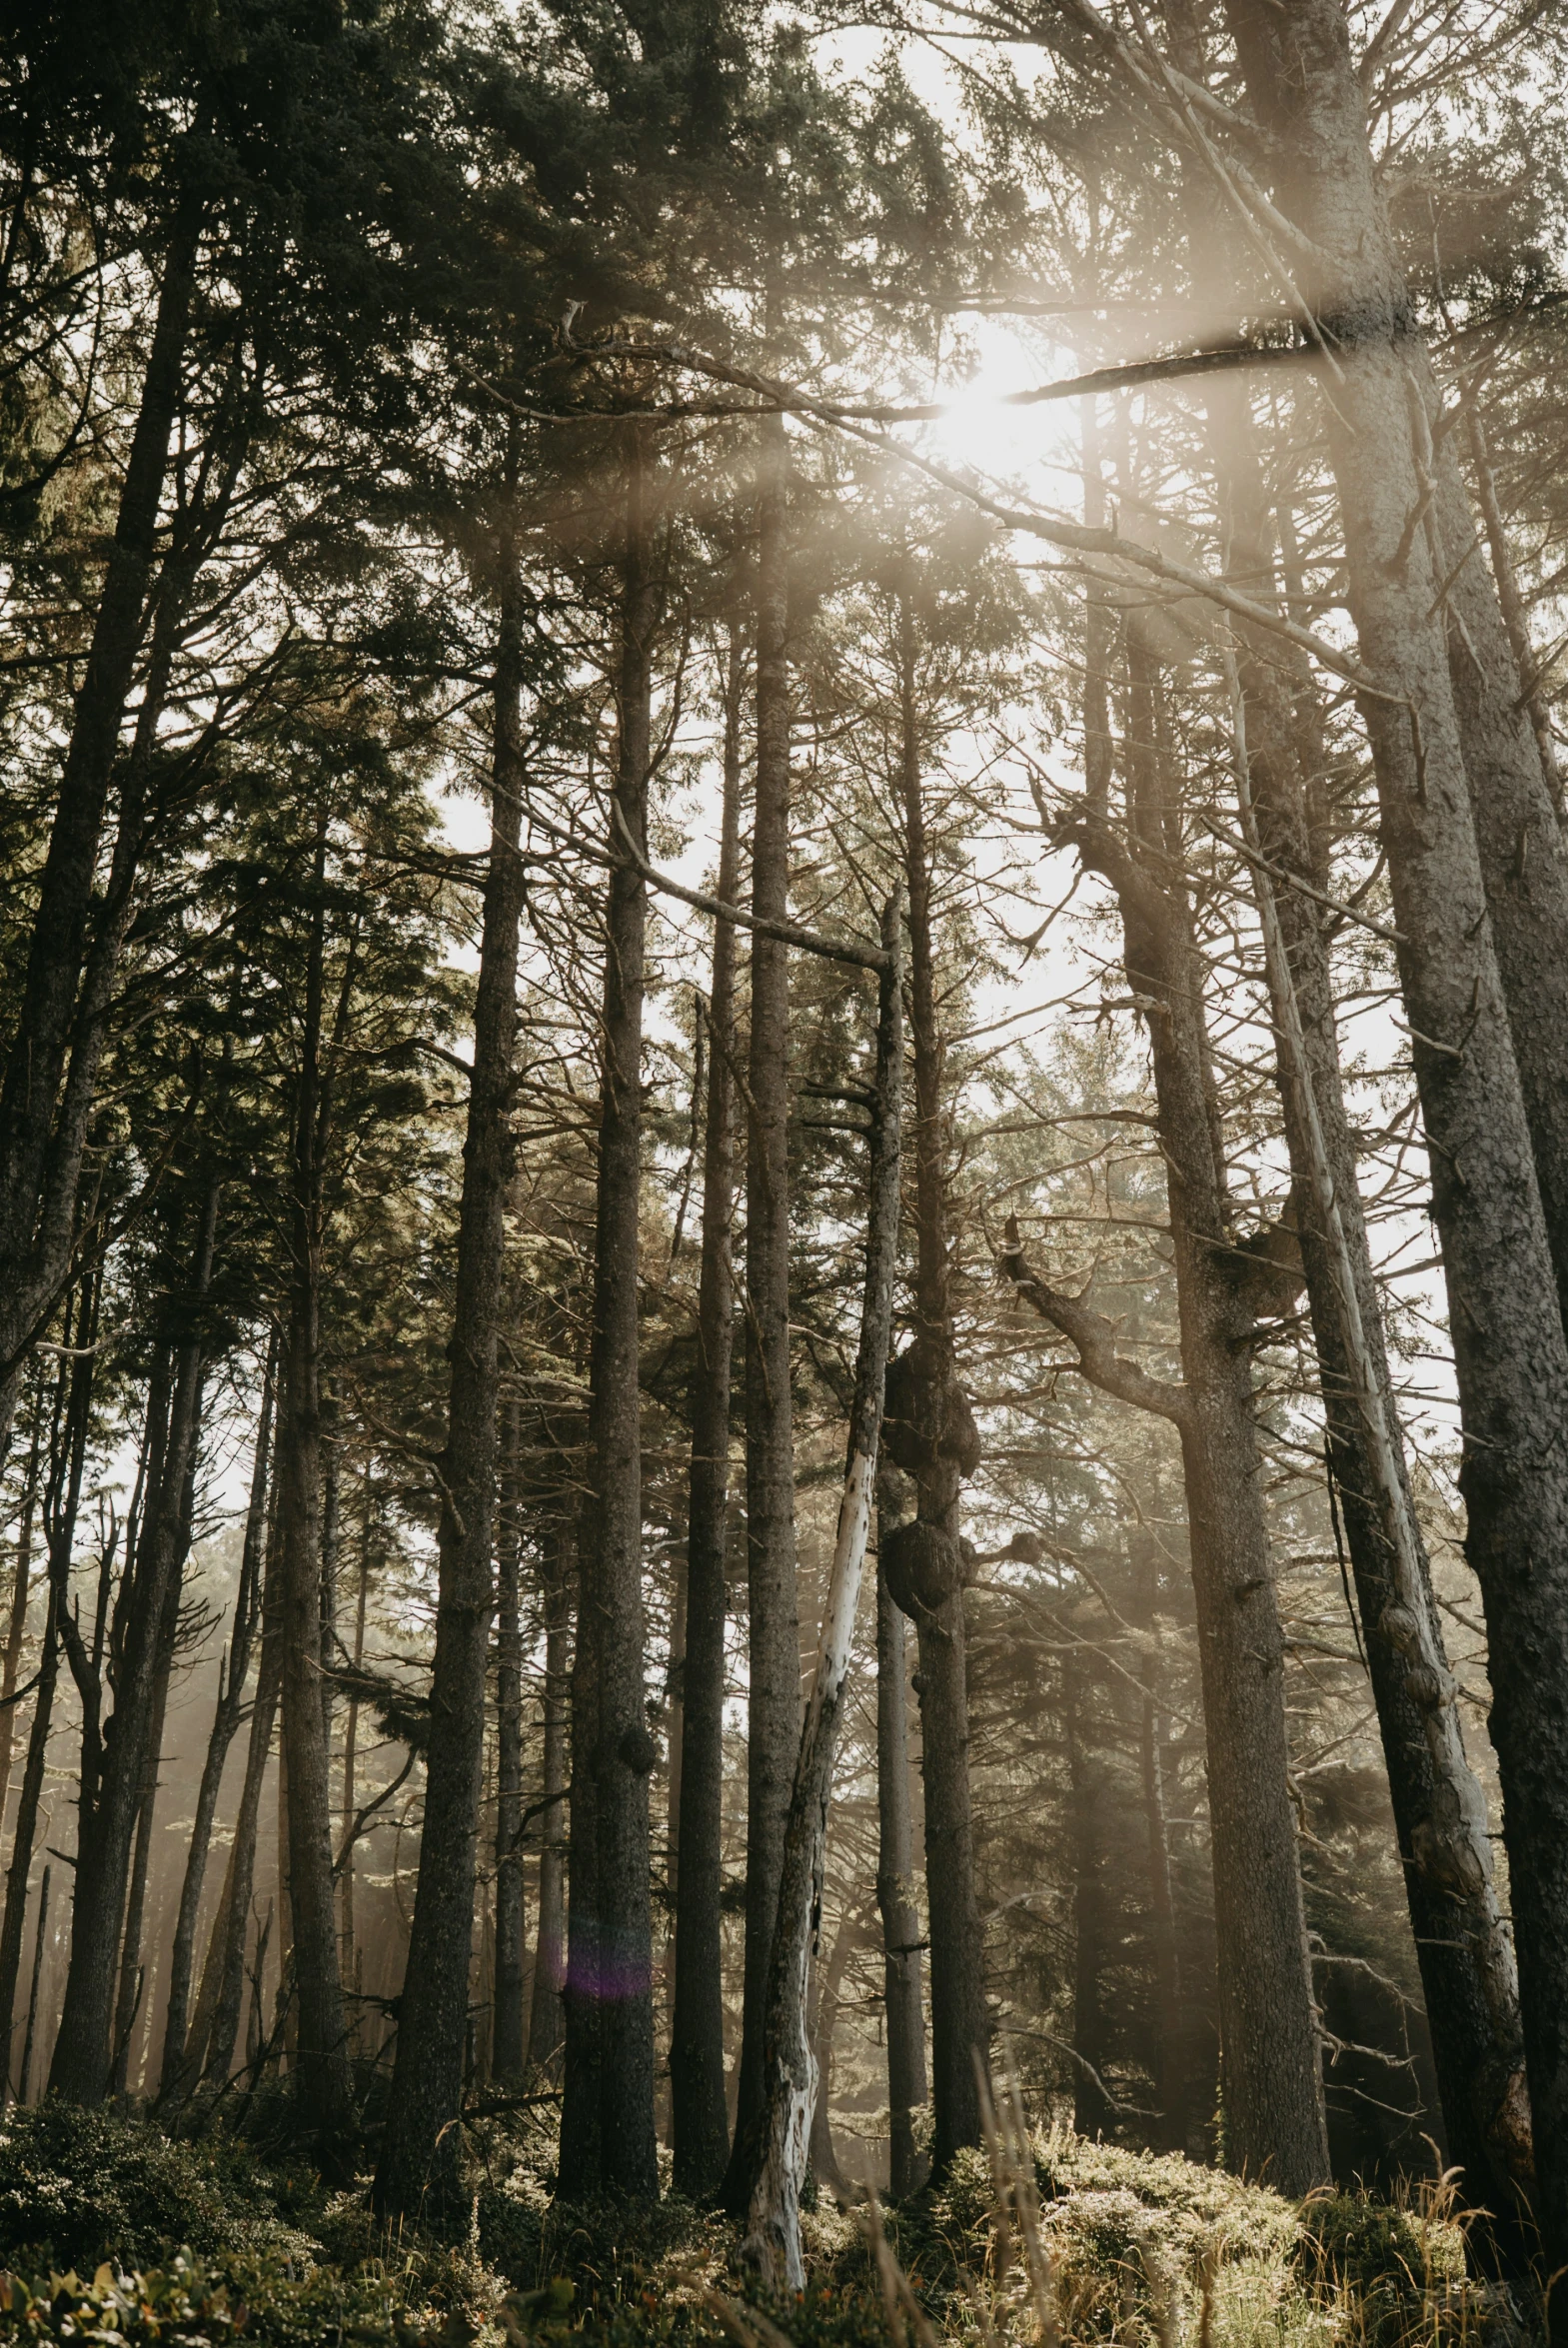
(114, 2235)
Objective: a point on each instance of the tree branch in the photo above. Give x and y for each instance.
(1094, 1336)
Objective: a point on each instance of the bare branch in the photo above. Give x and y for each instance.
(1094, 1336)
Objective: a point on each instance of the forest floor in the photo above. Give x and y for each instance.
(111, 2231)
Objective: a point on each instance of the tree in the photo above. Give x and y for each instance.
(1272, 2090)
(1480, 1059)
(608, 2114)
(699, 2122)
(789, 2073)
(421, 2155)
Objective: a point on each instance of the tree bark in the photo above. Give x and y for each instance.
(1515, 616)
(36, 1179)
(113, 1760)
(901, 1999)
(128, 1998)
(546, 2016)
(215, 2032)
(331, 1497)
(349, 1959)
(1524, 859)
(1480, 1076)
(507, 2021)
(21, 1589)
(827, 1982)
(775, 2149)
(233, 1671)
(581, 2050)
(773, 1631)
(1462, 1946)
(1272, 2090)
(700, 2120)
(320, 2067)
(959, 2025)
(932, 1435)
(419, 2164)
(608, 2139)
(14, 1919)
(1092, 2111)
(24, 2075)
(285, 1902)
(1172, 2071)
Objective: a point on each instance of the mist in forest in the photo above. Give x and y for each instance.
(784, 1144)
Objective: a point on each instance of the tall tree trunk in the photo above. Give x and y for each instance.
(14, 1919)
(254, 2033)
(24, 2074)
(774, 2150)
(699, 2121)
(128, 1999)
(932, 1435)
(1272, 2086)
(1272, 2090)
(904, 2006)
(349, 1960)
(1091, 2108)
(582, 2052)
(21, 1587)
(285, 1902)
(545, 2014)
(675, 1678)
(1171, 2066)
(1493, 1186)
(65, 1457)
(1524, 859)
(215, 2032)
(30, 1092)
(129, 2003)
(1515, 616)
(827, 1985)
(331, 1498)
(83, 2054)
(960, 2026)
(608, 2138)
(773, 1631)
(418, 2163)
(1462, 1945)
(233, 1671)
(321, 2067)
(507, 2024)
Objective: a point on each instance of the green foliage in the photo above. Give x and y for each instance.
(1104, 2205)
(1392, 2265)
(1142, 2243)
(181, 2301)
(1188, 2201)
(828, 2316)
(196, 2244)
(83, 2186)
(614, 2250)
(268, 2298)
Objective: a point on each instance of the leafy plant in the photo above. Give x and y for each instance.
(80, 2187)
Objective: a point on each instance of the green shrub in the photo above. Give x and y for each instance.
(78, 2187)
(1397, 2268)
(962, 2209)
(612, 2249)
(827, 2317)
(1190, 2202)
(186, 2302)
(182, 2301)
